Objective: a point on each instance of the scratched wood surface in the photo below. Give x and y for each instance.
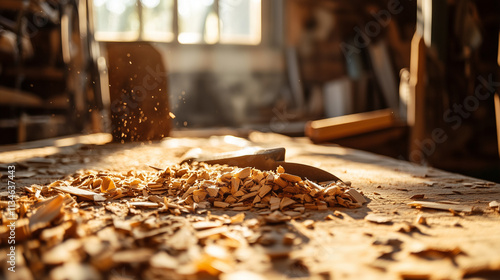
(381, 240)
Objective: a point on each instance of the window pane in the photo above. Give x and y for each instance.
(197, 21)
(116, 19)
(240, 21)
(157, 17)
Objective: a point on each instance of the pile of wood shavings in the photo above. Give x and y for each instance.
(98, 221)
(188, 188)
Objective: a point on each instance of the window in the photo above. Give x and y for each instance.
(183, 21)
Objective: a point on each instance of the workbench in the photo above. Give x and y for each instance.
(384, 239)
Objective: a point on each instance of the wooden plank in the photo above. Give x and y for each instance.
(349, 125)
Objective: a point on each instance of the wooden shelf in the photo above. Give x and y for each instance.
(38, 73)
(20, 98)
(12, 97)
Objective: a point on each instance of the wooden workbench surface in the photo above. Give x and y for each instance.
(380, 240)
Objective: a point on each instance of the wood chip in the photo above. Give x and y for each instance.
(206, 225)
(290, 178)
(183, 239)
(276, 217)
(163, 260)
(239, 218)
(494, 204)
(378, 219)
(292, 213)
(441, 206)
(418, 196)
(285, 201)
(280, 182)
(421, 220)
(88, 195)
(144, 204)
(45, 214)
(69, 250)
(134, 256)
(248, 195)
(213, 191)
(289, 239)
(243, 173)
(308, 224)
(210, 232)
(357, 197)
(235, 184)
(221, 204)
(107, 185)
(75, 271)
(242, 208)
(265, 189)
(242, 274)
(275, 203)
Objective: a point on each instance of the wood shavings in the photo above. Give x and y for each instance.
(94, 221)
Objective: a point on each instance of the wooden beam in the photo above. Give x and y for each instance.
(349, 125)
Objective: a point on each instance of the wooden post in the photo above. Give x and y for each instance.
(497, 114)
(416, 106)
(138, 92)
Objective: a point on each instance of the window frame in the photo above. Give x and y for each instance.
(138, 36)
